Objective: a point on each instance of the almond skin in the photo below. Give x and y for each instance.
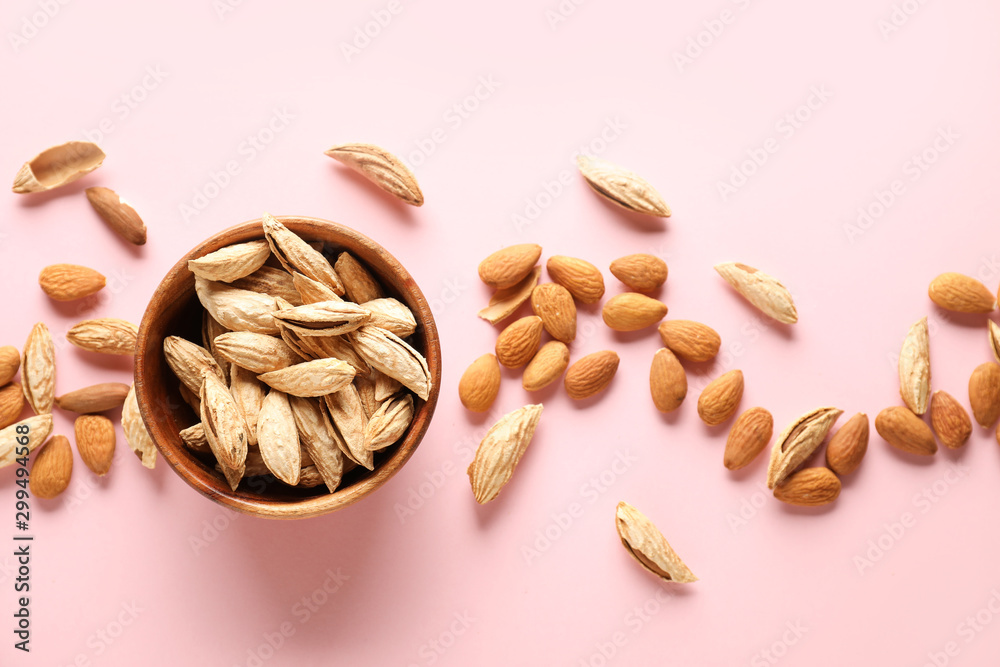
(52, 468)
(984, 393)
(641, 272)
(691, 341)
(546, 367)
(10, 361)
(747, 438)
(949, 419)
(11, 404)
(591, 374)
(583, 280)
(630, 312)
(848, 445)
(667, 381)
(66, 282)
(517, 344)
(719, 400)
(554, 304)
(95, 398)
(509, 266)
(810, 487)
(95, 440)
(960, 293)
(904, 430)
(480, 384)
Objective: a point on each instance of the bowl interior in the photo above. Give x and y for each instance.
(175, 310)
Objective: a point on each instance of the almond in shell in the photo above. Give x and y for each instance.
(106, 336)
(762, 290)
(381, 168)
(38, 370)
(797, 443)
(501, 450)
(915, 368)
(622, 187)
(647, 545)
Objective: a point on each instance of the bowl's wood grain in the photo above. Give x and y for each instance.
(174, 310)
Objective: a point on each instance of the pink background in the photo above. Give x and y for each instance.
(137, 568)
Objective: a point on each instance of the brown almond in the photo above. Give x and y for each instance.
(546, 367)
(95, 398)
(667, 381)
(719, 400)
(904, 430)
(591, 374)
(630, 311)
(509, 266)
(10, 361)
(954, 291)
(52, 468)
(748, 437)
(95, 440)
(118, 214)
(554, 304)
(11, 404)
(984, 393)
(848, 445)
(810, 487)
(517, 344)
(691, 341)
(583, 280)
(480, 384)
(640, 272)
(949, 419)
(504, 302)
(65, 282)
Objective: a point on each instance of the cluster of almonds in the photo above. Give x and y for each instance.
(514, 274)
(52, 468)
(291, 379)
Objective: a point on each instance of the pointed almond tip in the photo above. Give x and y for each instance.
(24, 181)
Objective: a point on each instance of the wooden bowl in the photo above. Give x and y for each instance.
(175, 311)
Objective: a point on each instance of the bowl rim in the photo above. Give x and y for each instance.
(214, 487)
